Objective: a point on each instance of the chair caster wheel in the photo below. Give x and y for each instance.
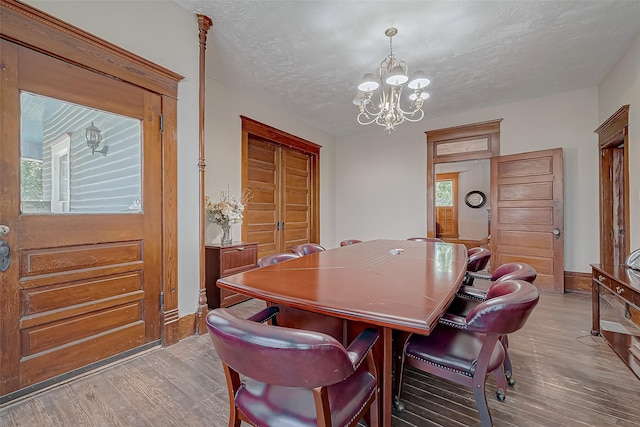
(397, 405)
(500, 395)
(511, 381)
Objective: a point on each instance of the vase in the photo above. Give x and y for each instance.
(226, 238)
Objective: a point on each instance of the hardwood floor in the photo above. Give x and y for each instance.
(564, 377)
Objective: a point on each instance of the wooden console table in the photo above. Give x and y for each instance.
(222, 261)
(615, 298)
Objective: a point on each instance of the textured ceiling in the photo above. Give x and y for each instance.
(307, 57)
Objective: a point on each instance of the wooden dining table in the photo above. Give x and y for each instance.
(392, 285)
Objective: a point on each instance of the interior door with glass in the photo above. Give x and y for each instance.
(80, 216)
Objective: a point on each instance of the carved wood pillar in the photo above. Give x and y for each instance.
(204, 24)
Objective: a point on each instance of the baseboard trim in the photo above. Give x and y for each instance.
(187, 326)
(577, 282)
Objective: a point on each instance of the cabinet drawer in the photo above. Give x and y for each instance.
(238, 259)
(621, 289)
(602, 279)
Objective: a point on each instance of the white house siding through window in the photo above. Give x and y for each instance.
(53, 137)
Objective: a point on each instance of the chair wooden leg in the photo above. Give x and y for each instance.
(234, 419)
(481, 402)
(374, 411)
(508, 369)
(400, 339)
(501, 383)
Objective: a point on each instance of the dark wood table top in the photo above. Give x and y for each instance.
(399, 284)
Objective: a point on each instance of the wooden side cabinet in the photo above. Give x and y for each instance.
(616, 311)
(222, 261)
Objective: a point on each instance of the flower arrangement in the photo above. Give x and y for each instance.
(226, 211)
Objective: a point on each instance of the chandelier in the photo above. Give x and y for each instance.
(386, 82)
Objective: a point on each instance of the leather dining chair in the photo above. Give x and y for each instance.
(307, 248)
(478, 258)
(276, 258)
(350, 242)
(468, 349)
(468, 297)
(508, 271)
(279, 376)
(426, 239)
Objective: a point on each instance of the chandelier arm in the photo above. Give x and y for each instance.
(362, 122)
(410, 118)
(369, 111)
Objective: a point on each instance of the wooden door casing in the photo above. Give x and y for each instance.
(613, 144)
(282, 171)
(459, 143)
(527, 206)
(81, 288)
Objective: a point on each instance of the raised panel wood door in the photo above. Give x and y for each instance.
(296, 202)
(527, 219)
(278, 213)
(262, 214)
(84, 280)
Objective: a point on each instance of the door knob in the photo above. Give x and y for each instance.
(5, 255)
(556, 233)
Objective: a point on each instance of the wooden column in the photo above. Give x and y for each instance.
(204, 23)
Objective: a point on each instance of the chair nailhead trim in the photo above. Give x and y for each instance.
(357, 414)
(457, 371)
(471, 297)
(452, 324)
(365, 354)
(269, 318)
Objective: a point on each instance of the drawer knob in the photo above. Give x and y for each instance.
(240, 248)
(619, 290)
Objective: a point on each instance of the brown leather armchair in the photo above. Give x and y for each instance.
(466, 350)
(276, 258)
(307, 248)
(292, 376)
(350, 242)
(477, 261)
(468, 297)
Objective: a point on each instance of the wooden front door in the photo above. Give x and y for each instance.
(527, 214)
(85, 274)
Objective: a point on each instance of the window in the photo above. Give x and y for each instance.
(60, 175)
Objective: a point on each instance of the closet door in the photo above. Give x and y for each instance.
(295, 225)
(262, 214)
(281, 171)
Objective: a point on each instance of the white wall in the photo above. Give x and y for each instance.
(168, 35)
(621, 87)
(381, 182)
(223, 136)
